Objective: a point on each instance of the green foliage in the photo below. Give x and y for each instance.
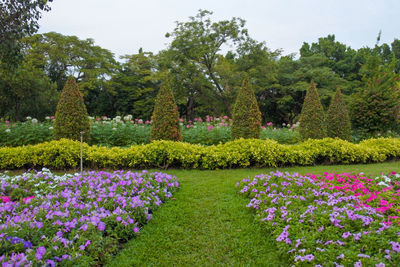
(235, 154)
(132, 89)
(195, 51)
(71, 115)
(18, 19)
(312, 117)
(26, 91)
(246, 119)
(375, 108)
(338, 119)
(165, 124)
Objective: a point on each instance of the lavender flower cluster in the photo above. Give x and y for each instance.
(313, 225)
(76, 219)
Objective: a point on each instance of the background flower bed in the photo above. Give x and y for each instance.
(319, 219)
(47, 219)
(126, 131)
(163, 154)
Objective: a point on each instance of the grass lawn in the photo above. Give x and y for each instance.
(208, 224)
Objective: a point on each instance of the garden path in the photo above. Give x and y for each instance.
(206, 225)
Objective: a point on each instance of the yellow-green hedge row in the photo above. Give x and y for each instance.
(162, 154)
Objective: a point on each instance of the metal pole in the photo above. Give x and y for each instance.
(81, 153)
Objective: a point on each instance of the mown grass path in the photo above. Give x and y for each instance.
(208, 224)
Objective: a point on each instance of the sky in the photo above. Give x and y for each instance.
(124, 26)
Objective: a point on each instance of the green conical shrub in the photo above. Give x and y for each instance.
(165, 120)
(338, 119)
(246, 116)
(71, 114)
(312, 117)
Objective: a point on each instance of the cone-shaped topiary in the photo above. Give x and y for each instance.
(338, 119)
(165, 121)
(246, 116)
(71, 114)
(312, 117)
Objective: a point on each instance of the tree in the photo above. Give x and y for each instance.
(133, 88)
(338, 119)
(71, 115)
(312, 117)
(26, 91)
(246, 117)
(60, 56)
(165, 120)
(18, 19)
(199, 41)
(375, 107)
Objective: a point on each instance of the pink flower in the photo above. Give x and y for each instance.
(5, 199)
(210, 127)
(180, 119)
(27, 199)
(269, 124)
(52, 117)
(147, 122)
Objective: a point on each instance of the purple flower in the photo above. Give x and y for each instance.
(346, 235)
(40, 251)
(50, 263)
(395, 246)
(136, 229)
(309, 257)
(341, 256)
(101, 226)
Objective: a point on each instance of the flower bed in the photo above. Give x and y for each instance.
(127, 131)
(334, 219)
(47, 219)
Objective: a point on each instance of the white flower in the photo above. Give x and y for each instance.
(114, 129)
(34, 120)
(383, 183)
(51, 128)
(47, 118)
(8, 130)
(28, 118)
(128, 118)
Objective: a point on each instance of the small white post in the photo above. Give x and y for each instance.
(82, 152)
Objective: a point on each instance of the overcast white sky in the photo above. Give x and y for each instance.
(123, 26)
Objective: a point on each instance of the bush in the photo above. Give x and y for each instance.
(246, 116)
(71, 115)
(164, 154)
(165, 124)
(312, 117)
(338, 119)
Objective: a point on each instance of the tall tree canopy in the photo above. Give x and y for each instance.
(18, 19)
(198, 43)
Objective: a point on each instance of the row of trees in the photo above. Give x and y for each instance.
(204, 78)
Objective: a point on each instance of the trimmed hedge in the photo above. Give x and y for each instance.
(163, 154)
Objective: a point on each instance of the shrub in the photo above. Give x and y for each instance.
(338, 119)
(246, 116)
(312, 117)
(71, 115)
(65, 153)
(165, 124)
